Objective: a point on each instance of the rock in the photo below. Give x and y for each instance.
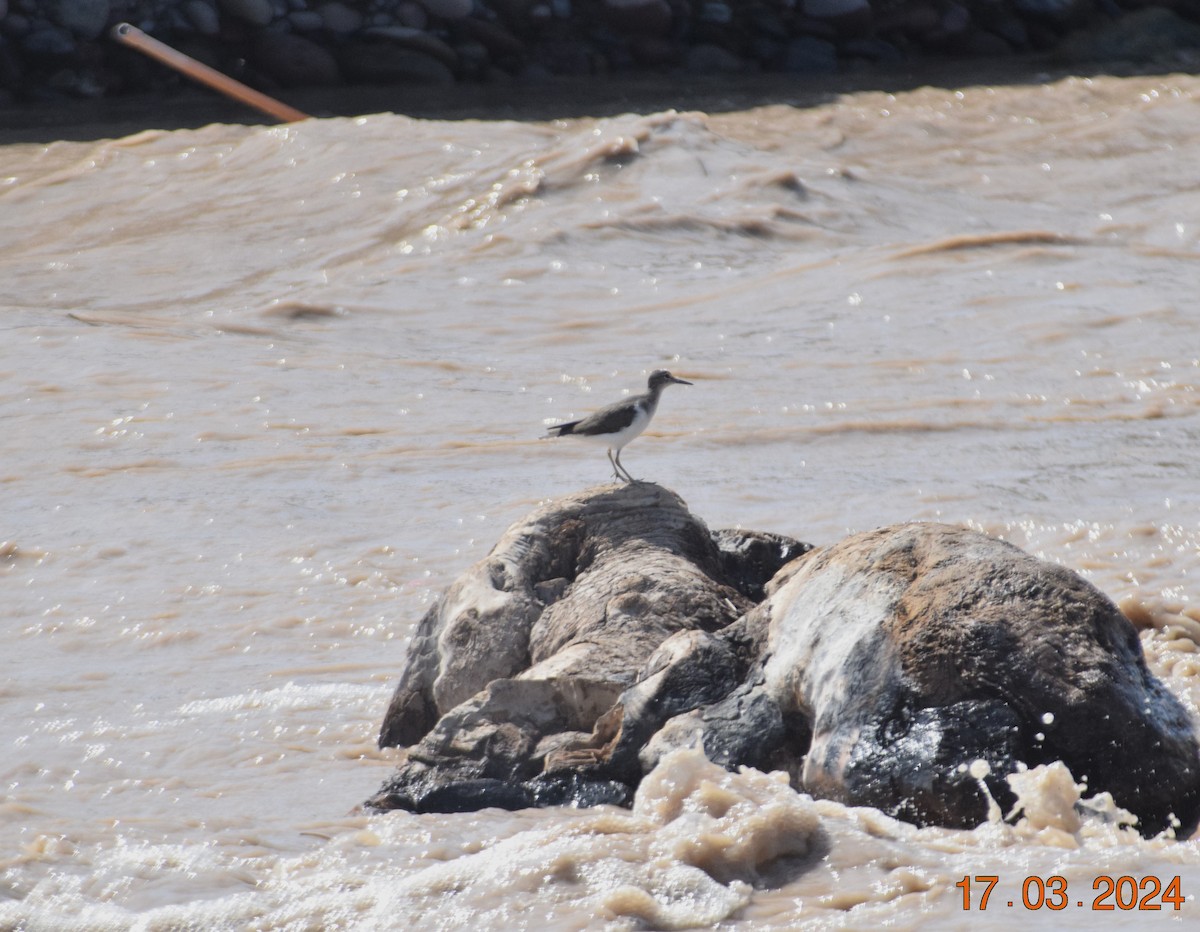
(448, 9)
(202, 17)
(955, 19)
(515, 13)
(377, 61)
(887, 665)
(705, 58)
(1147, 35)
(949, 33)
(473, 59)
(339, 18)
(750, 559)
(916, 19)
(511, 669)
(1008, 28)
(715, 12)
(567, 56)
(766, 51)
(417, 40)
(16, 26)
(413, 15)
(305, 21)
(848, 17)
(807, 55)
(1062, 12)
(898, 669)
(768, 23)
(638, 17)
(49, 41)
(294, 61)
(494, 37)
(84, 18)
(255, 12)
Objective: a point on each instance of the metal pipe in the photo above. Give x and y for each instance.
(198, 71)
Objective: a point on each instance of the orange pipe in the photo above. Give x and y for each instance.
(197, 71)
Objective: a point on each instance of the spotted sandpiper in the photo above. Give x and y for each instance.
(616, 424)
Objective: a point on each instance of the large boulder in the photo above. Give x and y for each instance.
(911, 668)
(907, 668)
(511, 669)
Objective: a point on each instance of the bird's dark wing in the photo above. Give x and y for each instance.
(607, 420)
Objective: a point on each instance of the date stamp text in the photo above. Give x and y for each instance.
(1122, 893)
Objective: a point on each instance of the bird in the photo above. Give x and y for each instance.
(616, 424)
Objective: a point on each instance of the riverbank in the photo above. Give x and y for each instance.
(54, 53)
(187, 106)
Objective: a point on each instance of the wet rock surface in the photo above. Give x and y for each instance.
(61, 48)
(509, 672)
(894, 662)
(910, 668)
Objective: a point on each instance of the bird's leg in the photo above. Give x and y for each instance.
(628, 478)
(616, 472)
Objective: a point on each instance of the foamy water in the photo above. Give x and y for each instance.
(266, 391)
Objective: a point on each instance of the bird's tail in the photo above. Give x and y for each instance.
(561, 430)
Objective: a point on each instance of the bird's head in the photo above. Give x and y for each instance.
(661, 377)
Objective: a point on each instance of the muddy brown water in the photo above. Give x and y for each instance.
(267, 390)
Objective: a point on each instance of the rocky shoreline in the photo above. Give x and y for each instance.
(61, 49)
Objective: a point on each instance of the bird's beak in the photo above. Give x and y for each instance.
(680, 381)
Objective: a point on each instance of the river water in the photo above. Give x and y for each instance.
(265, 391)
